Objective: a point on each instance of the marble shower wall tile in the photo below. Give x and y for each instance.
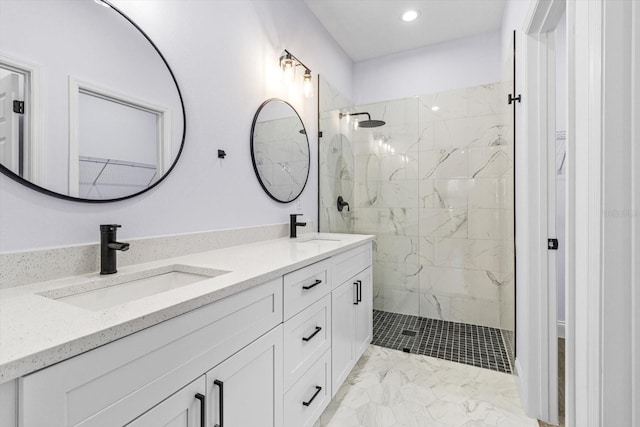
(460, 283)
(435, 186)
(489, 162)
(380, 221)
(437, 224)
(479, 131)
(485, 255)
(400, 249)
(485, 224)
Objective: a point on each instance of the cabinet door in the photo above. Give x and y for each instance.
(364, 313)
(343, 300)
(183, 409)
(246, 389)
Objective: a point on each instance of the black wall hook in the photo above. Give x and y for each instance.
(221, 154)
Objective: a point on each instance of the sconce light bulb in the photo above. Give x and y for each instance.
(307, 84)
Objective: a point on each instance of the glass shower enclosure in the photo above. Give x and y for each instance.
(434, 184)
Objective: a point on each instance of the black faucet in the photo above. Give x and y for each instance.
(294, 224)
(108, 248)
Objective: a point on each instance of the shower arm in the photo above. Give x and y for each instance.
(341, 115)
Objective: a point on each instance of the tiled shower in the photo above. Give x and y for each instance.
(435, 185)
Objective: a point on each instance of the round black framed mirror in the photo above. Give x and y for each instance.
(96, 114)
(280, 150)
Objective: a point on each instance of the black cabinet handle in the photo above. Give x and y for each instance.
(313, 285)
(200, 397)
(318, 390)
(220, 385)
(356, 296)
(359, 290)
(318, 329)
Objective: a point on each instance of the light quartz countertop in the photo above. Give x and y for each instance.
(37, 331)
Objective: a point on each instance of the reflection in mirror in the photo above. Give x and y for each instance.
(100, 118)
(280, 150)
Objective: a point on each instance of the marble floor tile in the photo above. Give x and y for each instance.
(389, 388)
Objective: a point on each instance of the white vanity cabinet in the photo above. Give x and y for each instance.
(246, 389)
(272, 355)
(185, 408)
(352, 312)
(307, 343)
(114, 384)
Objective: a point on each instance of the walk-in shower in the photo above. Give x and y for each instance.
(435, 186)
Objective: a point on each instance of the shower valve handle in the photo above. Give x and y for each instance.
(341, 204)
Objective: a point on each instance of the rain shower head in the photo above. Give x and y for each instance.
(365, 123)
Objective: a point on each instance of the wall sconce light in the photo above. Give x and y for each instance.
(288, 63)
(307, 84)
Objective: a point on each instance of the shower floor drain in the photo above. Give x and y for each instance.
(409, 333)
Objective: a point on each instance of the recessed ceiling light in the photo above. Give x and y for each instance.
(410, 15)
(435, 108)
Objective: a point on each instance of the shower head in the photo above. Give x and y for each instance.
(365, 123)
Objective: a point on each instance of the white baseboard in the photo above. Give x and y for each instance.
(561, 328)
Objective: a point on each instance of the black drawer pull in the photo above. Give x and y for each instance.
(313, 285)
(220, 385)
(318, 329)
(200, 397)
(318, 390)
(359, 290)
(356, 296)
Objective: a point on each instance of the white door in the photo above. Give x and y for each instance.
(246, 389)
(343, 302)
(9, 126)
(364, 313)
(183, 409)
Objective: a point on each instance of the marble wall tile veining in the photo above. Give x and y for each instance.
(486, 162)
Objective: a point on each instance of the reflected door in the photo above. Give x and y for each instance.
(9, 123)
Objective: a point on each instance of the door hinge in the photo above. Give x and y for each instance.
(552, 244)
(18, 107)
(320, 134)
(512, 99)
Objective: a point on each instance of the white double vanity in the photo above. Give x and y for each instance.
(259, 335)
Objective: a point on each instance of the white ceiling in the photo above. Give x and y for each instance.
(371, 28)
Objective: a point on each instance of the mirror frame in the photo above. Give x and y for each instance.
(7, 172)
(253, 157)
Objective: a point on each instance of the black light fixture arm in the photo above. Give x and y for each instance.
(289, 55)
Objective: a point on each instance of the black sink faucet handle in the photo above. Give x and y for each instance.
(294, 224)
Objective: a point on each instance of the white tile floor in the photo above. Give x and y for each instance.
(389, 388)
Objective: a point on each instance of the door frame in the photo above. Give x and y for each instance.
(536, 305)
(32, 161)
(604, 211)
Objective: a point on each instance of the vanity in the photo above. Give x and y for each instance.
(253, 335)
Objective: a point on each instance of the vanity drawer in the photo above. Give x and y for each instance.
(306, 286)
(305, 401)
(307, 336)
(117, 382)
(350, 263)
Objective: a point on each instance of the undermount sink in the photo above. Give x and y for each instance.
(106, 292)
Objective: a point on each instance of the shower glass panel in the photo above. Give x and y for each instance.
(434, 184)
